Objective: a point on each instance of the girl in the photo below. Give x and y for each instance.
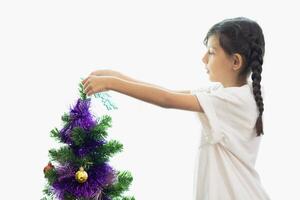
(230, 110)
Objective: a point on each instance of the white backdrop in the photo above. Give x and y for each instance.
(47, 46)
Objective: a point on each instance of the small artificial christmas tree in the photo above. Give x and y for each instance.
(82, 171)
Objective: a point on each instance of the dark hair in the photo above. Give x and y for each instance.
(245, 37)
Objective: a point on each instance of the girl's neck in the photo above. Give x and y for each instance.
(234, 84)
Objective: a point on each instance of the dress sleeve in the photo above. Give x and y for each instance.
(212, 101)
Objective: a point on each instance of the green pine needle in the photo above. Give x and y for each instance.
(51, 176)
(81, 90)
(122, 184)
(65, 118)
(106, 121)
(54, 133)
(62, 155)
(68, 196)
(112, 147)
(99, 131)
(48, 194)
(129, 198)
(78, 136)
(104, 152)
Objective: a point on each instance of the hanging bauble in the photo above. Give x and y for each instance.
(48, 167)
(81, 176)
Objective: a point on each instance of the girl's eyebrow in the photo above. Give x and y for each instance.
(212, 47)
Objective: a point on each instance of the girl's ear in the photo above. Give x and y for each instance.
(237, 61)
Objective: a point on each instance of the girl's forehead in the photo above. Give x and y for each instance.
(212, 42)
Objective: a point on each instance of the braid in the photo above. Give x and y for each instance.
(256, 62)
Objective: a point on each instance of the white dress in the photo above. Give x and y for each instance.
(225, 162)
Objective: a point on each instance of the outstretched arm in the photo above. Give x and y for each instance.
(143, 91)
(155, 94)
(109, 72)
(123, 76)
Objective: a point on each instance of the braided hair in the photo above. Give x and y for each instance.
(244, 36)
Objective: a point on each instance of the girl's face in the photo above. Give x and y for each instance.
(219, 65)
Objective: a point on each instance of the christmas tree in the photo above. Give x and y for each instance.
(79, 169)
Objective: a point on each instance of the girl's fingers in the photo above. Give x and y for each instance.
(89, 76)
(87, 90)
(84, 80)
(87, 86)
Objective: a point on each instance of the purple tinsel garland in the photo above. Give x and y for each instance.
(99, 177)
(80, 116)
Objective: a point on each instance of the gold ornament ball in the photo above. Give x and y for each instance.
(81, 176)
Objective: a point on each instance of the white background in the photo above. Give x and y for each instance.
(47, 46)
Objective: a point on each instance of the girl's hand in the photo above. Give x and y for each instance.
(94, 84)
(106, 72)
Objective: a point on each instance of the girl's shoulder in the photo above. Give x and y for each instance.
(242, 93)
(208, 87)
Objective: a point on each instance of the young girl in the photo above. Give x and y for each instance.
(230, 110)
